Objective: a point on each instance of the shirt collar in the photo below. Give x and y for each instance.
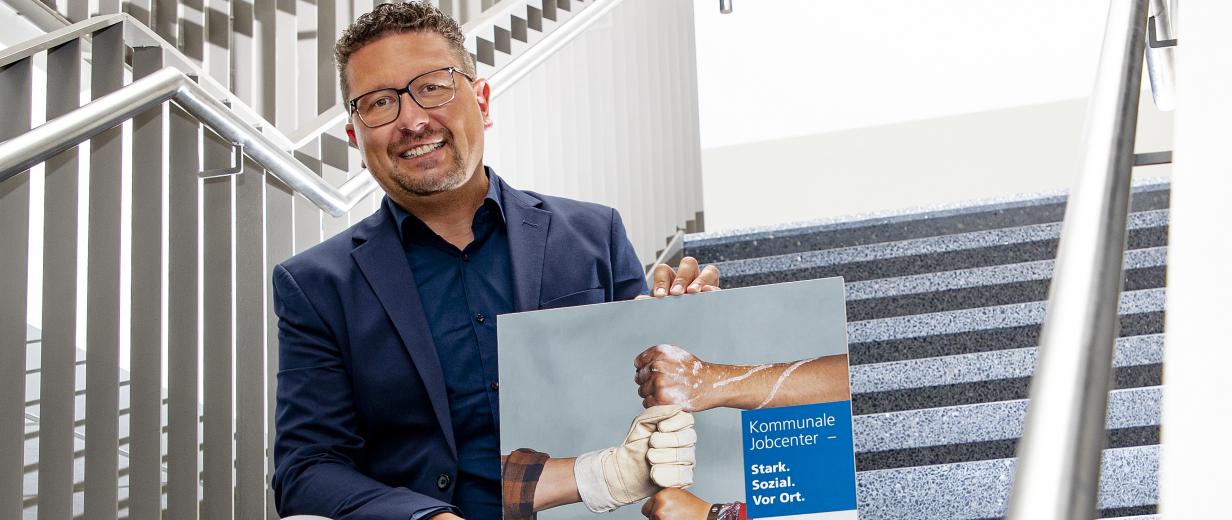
(493, 200)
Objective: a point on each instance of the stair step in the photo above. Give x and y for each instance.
(983, 366)
(980, 330)
(980, 489)
(928, 255)
(985, 430)
(998, 375)
(983, 286)
(820, 235)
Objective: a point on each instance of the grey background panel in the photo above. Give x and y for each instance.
(567, 374)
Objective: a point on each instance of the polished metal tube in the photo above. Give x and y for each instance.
(35, 146)
(1059, 454)
(1160, 59)
(725, 6)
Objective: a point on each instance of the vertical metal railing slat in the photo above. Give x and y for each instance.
(279, 246)
(218, 418)
(59, 322)
(248, 54)
(146, 302)
(16, 89)
(166, 19)
(307, 215)
(217, 34)
(250, 287)
(103, 287)
(182, 326)
(266, 58)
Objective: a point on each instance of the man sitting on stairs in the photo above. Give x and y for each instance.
(387, 404)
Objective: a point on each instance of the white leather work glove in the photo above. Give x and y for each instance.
(658, 452)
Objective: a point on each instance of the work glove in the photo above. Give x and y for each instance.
(658, 452)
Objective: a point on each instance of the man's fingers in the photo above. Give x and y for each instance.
(645, 357)
(645, 390)
(685, 455)
(710, 288)
(663, 276)
(648, 506)
(678, 439)
(676, 422)
(709, 275)
(685, 275)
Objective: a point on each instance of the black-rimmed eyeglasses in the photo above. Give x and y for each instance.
(428, 90)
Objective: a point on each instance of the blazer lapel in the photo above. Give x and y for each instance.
(383, 262)
(528, 238)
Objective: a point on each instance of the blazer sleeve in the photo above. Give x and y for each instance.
(317, 429)
(628, 278)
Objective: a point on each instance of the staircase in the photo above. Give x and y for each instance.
(944, 311)
(215, 144)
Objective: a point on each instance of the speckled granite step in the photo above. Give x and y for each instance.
(981, 377)
(928, 255)
(856, 231)
(983, 286)
(978, 490)
(849, 232)
(983, 329)
(986, 430)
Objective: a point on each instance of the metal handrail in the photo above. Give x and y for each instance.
(170, 84)
(1160, 58)
(136, 34)
(1059, 455)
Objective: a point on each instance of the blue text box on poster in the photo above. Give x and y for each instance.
(799, 460)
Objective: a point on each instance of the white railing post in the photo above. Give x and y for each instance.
(16, 89)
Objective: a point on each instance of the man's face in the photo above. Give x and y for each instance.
(422, 152)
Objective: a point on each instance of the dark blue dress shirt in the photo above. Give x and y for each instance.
(462, 293)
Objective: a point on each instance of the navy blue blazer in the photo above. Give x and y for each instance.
(363, 425)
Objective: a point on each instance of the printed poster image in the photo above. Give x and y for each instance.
(761, 371)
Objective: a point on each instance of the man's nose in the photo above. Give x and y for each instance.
(411, 116)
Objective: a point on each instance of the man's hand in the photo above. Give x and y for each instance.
(667, 374)
(445, 516)
(685, 279)
(657, 452)
(675, 504)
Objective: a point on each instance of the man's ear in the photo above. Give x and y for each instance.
(350, 131)
(483, 96)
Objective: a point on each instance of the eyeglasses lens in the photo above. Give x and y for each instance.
(429, 91)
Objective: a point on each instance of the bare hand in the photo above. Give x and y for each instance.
(667, 374)
(687, 278)
(675, 504)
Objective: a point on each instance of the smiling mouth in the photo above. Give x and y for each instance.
(421, 150)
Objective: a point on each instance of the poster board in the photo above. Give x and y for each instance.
(567, 387)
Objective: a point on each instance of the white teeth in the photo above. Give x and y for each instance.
(420, 150)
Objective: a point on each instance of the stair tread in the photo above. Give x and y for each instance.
(899, 225)
(919, 246)
(1128, 408)
(980, 489)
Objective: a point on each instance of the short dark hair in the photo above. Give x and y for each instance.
(396, 18)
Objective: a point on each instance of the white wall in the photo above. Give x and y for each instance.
(820, 108)
(905, 166)
(611, 118)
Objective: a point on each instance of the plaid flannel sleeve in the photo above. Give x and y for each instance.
(519, 475)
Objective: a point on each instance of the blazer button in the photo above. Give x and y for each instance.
(442, 482)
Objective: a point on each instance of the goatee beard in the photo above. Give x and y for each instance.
(453, 176)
